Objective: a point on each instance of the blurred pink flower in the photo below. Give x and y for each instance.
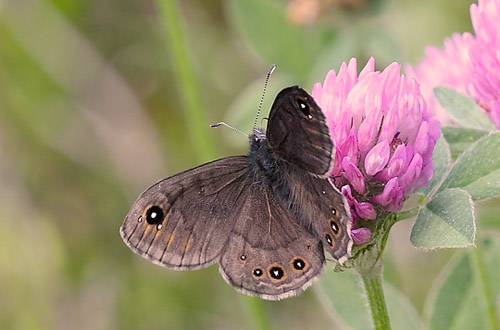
(383, 134)
(485, 57)
(450, 67)
(469, 63)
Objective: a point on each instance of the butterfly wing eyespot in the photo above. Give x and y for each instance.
(257, 272)
(276, 273)
(335, 228)
(154, 215)
(329, 240)
(298, 264)
(304, 107)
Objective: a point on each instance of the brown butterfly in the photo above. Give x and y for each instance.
(266, 218)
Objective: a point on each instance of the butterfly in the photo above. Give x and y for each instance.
(266, 218)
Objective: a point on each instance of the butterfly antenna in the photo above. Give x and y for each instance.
(271, 70)
(228, 126)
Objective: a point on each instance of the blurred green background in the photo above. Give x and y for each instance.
(99, 99)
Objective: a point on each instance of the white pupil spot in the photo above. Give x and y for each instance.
(159, 226)
(302, 105)
(153, 215)
(276, 273)
(334, 211)
(310, 117)
(323, 192)
(140, 219)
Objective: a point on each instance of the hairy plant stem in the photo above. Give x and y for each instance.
(372, 280)
(369, 265)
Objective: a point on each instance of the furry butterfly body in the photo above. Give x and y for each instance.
(266, 218)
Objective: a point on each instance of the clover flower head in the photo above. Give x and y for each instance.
(383, 134)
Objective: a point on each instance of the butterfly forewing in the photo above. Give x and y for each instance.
(298, 133)
(183, 221)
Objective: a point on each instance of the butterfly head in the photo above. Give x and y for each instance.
(258, 134)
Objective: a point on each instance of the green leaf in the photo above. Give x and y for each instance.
(491, 248)
(401, 311)
(463, 109)
(266, 29)
(478, 169)
(352, 310)
(461, 138)
(488, 214)
(446, 221)
(441, 158)
(453, 303)
(457, 300)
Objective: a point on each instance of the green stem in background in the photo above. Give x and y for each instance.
(481, 272)
(256, 312)
(372, 280)
(407, 214)
(188, 88)
(196, 119)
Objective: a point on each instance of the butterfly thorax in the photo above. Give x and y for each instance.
(269, 169)
(262, 161)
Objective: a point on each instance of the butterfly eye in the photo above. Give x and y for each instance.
(154, 215)
(304, 107)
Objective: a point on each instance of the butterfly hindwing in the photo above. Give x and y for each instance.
(268, 253)
(319, 207)
(327, 215)
(182, 222)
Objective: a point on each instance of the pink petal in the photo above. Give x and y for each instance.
(397, 162)
(361, 235)
(392, 190)
(413, 171)
(422, 140)
(365, 210)
(354, 175)
(377, 158)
